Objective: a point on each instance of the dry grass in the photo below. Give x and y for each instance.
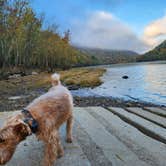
(81, 77)
(21, 85)
(32, 86)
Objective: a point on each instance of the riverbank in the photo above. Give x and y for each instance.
(18, 91)
(19, 102)
(110, 101)
(16, 85)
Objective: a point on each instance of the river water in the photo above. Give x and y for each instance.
(146, 82)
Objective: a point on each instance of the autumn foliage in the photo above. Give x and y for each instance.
(23, 42)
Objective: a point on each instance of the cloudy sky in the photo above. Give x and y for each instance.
(111, 24)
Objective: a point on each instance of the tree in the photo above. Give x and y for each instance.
(66, 37)
(23, 42)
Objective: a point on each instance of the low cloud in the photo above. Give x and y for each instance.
(103, 30)
(155, 32)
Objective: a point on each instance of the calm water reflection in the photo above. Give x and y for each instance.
(147, 82)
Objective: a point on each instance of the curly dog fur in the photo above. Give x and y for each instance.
(50, 111)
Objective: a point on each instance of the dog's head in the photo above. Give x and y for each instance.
(10, 136)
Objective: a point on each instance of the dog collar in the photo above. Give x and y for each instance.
(30, 121)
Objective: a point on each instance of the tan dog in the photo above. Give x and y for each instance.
(43, 117)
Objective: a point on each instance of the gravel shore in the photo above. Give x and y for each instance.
(18, 102)
(110, 101)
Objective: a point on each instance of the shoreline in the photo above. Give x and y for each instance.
(111, 101)
(19, 103)
(18, 92)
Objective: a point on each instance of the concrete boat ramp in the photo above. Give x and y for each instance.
(104, 137)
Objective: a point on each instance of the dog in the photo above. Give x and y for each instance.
(42, 117)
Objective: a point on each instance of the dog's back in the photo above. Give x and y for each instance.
(56, 92)
(57, 101)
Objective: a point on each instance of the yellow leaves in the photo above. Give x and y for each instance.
(26, 44)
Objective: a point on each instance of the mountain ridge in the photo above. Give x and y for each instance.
(158, 53)
(109, 56)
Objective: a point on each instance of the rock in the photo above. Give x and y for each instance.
(25, 144)
(34, 73)
(14, 76)
(73, 87)
(15, 97)
(125, 77)
(22, 74)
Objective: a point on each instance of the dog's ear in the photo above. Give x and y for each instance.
(21, 130)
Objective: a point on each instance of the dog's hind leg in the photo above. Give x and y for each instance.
(51, 149)
(60, 151)
(69, 126)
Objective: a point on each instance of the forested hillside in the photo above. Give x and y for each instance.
(23, 42)
(107, 56)
(158, 53)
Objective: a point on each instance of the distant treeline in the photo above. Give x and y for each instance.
(158, 53)
(107, 56)
(23, 42)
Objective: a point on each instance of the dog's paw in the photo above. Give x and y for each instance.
(60, 154)
(69, 140)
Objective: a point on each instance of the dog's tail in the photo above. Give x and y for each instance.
(55, 79)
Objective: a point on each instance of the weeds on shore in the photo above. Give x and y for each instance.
(80, 77)
(83, 77)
